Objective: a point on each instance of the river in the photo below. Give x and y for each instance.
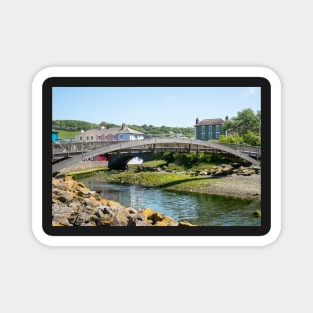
(199, 209)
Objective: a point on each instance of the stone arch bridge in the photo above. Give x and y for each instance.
(120, 153)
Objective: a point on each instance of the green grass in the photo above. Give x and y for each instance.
(63, 134)
(180, 181)
(87, 173)
(154, 163)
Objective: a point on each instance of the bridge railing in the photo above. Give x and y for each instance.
(78, 146)
(253, 150)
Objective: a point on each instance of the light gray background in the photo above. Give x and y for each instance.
(38, 34)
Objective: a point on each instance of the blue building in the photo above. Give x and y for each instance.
(208, 129)
(55, 135)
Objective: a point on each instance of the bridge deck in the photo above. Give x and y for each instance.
(77, 151)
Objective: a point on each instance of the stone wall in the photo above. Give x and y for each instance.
(84, 165)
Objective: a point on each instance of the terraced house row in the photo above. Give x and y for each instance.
(103, 134)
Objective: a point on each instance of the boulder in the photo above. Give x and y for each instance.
(119, 220)
(184, 223)
(133, 221)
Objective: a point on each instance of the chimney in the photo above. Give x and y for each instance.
(197, 121)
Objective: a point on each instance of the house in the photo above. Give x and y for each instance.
(126, 133)
(208, 129)
(55, 135)
(104, 134)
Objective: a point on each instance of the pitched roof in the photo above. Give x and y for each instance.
(127, 130)
(212, 121)
(113, 130)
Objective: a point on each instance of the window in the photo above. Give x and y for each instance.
(217, 135)
(99, 137)
(203, 132)
(87, 138)
(91, 138)
(210, 132)
(217, 127)
(80, 138)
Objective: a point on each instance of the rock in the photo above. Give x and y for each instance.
(184, 223)
(60, 220)
(82, 218)
(58, 176)
(135, 222)
(73, 204)
(83, 191)
(119, 220)
(146, 213)
(156, 217)
(64, 196)
(257, 213)
(92, 202)
(91, 223)
(131, 211)
(166, 221)
(62, 210)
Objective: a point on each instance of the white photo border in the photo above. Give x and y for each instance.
(37, 174)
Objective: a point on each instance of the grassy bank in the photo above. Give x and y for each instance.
(87, 173)
(235, 186)
(176, 177)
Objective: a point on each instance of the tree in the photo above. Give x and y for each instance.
(244, 122)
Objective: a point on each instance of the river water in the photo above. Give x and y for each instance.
(199, 209)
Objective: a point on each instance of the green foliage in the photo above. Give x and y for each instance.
(64, 134)
(236, 139)
(164, 131)
(251, 139)
(179, 161)
(248, 138)
(72, 125)
(107, 125)
(154, 163)
(245, 121)
(155, 131)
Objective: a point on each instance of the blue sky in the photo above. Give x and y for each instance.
(157, 106)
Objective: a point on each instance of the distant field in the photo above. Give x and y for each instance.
(63, 134)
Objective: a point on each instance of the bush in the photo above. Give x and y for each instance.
(248, 138)
(251, 139)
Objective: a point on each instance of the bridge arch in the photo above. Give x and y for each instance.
(151, 146)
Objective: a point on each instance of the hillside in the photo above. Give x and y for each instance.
(69, 128)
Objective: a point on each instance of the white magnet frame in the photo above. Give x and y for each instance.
(49, 240)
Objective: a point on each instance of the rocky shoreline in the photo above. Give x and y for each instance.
(227, 180)
(235, 186)
(73, 204)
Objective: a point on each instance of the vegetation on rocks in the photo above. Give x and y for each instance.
(231, 180)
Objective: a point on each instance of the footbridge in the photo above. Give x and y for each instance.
(119, 153)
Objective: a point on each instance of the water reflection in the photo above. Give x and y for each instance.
(199, 209)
